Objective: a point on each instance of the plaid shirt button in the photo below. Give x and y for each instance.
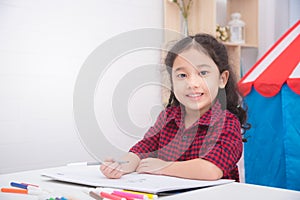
(184, 138)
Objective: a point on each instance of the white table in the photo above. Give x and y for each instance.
(34, 177)
(238, 191)
(231, 191)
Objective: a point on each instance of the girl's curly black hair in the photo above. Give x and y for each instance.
(229, 97)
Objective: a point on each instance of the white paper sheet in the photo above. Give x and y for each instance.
(91, 176)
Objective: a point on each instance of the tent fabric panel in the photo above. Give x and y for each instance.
(271, 80)
(245, 88)
(264, 64)
(267, 89)
(294, 84)
(291, 120)
(271, 54)
(264, 151)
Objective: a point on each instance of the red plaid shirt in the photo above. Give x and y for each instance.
(215, 137)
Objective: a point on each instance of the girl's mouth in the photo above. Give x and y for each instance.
(195, 95)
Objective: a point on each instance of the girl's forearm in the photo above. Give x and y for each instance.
(193, 169)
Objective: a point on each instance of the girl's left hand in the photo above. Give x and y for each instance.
(152, 166)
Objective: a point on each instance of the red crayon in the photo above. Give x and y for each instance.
(111, 196)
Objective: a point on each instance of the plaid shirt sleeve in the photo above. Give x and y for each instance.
(228, 146)
(148, 146)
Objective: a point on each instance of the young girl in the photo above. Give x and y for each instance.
(198, 135)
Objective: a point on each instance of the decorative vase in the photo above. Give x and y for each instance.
(184, 27)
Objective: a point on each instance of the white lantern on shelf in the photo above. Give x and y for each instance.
(236, 29)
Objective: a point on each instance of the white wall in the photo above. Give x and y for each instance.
(294, 7)
(275, 18)
(43, 46)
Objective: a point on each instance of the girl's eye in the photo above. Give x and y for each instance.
(181, 76)
(203, 73)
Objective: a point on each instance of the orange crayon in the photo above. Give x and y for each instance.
(14, 190)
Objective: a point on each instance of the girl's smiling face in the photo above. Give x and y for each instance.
(196, 80)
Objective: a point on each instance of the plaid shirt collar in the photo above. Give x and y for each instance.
(213, 115)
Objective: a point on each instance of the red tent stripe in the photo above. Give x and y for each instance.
(279, 70)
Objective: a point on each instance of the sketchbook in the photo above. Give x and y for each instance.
(92, 176)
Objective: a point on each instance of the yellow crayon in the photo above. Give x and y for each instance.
(150, 196)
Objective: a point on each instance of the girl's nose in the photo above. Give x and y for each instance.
(194, 81)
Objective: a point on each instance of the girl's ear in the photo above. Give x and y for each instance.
(223, 79)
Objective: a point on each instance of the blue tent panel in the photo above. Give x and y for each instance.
(291, 116)
(272, 153)
(264, 151)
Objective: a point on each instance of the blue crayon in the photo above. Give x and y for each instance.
(18, 185)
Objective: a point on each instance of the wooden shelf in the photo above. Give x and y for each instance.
(249, 13)
(199, 20)
(242, 45)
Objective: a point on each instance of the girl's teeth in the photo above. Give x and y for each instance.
(194, 95)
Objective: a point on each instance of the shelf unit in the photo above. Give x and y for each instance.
(202, 19)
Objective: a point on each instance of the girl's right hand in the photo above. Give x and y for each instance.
(112, 169)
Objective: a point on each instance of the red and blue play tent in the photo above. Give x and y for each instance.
(272, 92)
